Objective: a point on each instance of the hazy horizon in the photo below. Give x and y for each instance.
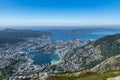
(58, 27)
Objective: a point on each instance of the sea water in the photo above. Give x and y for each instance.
(51, 58)
(44, 58)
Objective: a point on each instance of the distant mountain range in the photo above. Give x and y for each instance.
(12, 36)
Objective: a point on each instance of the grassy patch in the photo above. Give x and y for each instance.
(86, 76)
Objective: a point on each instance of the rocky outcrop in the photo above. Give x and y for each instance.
(112, 63)
(115, 78)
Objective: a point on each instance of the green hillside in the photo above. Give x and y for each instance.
(85, 76)
(109, 45)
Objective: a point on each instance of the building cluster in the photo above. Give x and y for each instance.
(21, 50)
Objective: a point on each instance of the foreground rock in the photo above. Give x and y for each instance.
(115, 78)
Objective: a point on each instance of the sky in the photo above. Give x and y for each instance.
(59, 12)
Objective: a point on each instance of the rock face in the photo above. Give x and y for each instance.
(116, 78)
(93, 53)
(112, 63)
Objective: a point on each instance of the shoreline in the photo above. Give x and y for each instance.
(57, 62)
(53, 62)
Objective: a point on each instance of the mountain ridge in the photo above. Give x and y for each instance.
(91, 54)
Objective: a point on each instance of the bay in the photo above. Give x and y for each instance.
(51, 58)
(44, 58)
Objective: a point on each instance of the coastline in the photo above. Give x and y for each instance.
(53, 62)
